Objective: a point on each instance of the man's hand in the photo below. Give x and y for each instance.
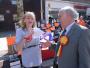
(45, 44)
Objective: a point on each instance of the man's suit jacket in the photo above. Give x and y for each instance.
(76, 54)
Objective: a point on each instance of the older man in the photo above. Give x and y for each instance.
(76, 53)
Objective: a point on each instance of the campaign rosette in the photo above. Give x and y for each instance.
(64, 40)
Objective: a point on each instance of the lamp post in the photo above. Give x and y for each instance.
(41, 10)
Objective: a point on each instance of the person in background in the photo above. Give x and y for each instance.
(42, 26)
(28, 41)
(74, 41)
(81, 21)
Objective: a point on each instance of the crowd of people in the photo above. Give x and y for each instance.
(73, 42)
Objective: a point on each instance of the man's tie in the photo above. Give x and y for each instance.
(63, 33)
(59, 53)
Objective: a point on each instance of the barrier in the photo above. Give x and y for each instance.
(3, 46)
(8, 42)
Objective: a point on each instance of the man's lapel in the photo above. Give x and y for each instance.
(72, 30)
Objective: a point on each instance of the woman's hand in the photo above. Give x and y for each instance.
(28, 38)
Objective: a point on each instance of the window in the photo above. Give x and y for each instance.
(15, 17)
(0, 1)
(1, 17)
(13, 2)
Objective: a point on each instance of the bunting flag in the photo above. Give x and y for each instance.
(50, 28)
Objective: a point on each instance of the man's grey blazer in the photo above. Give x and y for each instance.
(76, 54)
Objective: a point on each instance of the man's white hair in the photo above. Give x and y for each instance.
(71, 11)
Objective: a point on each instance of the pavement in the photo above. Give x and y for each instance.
(47, 63)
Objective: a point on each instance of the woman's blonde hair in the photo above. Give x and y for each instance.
(23, 24)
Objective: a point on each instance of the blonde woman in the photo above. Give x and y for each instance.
(28, 40)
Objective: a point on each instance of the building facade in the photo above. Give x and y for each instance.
(8, 12)
(52, 7)
(42, 9)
